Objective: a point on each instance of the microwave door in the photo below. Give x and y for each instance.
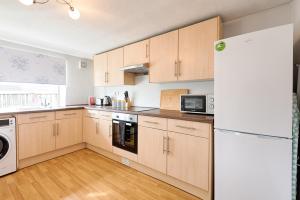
(193, 104)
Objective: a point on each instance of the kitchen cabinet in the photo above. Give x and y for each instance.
(188, 159)
(104, 135)
(68, 128)
(90, 127)
(69, 132)
(98, 131)
(100, 69)
(36, 138)
(107, 69)
(152, 148)
(180, 149)
(43, 132)
(196, 50)
(114, 75)
(136, 53)
(164, 57)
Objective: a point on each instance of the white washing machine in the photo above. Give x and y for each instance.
(8, 151)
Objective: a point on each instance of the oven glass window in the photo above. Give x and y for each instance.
(125, 135)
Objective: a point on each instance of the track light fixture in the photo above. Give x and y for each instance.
(73, 12)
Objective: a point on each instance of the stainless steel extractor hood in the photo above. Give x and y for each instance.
(136, 69)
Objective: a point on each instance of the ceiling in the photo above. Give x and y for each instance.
(107, 24)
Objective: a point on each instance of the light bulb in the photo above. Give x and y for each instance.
(74, 13)
(27, 2)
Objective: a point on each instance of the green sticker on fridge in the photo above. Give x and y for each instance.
(220, 46)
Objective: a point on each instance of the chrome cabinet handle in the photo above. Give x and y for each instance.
(38, 117)
(107, 77)
(178, 68)
(147, 46)
(166, 144)
(151, 122)
(57, 129)
(97, 128)
(54, 129)
(109, 133)
(69, 114)
(175, 68)
(105, 115)
(185, 127)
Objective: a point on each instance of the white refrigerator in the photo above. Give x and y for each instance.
(253, 115)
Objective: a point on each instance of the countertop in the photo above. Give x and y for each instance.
(13, 111)
(173, 114)
(155, 112)
(145, 111)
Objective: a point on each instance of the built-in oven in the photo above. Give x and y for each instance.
(125, 131)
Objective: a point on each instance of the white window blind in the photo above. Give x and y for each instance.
(25, 67)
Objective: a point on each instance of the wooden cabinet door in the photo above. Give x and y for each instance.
(36, 138)
(90, 127)
(104, 135)
(164, 56)
(188, 159)
(151, 151)
(196, 50)
(115, 62)
(100, 69)
(137, 53)
(69, 132)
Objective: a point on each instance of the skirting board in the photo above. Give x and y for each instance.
(50, 155)
(205, 195)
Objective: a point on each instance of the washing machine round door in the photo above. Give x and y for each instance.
(4, 146)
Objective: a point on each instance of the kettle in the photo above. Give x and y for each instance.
(107, 101)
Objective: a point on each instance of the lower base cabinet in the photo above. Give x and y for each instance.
(179, 149)
(36, 138)
(69, 132)
(97, 132)
(39, 133)
(104, 135)
(152, 149)
(188, 159)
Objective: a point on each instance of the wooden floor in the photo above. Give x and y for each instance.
(85, 175)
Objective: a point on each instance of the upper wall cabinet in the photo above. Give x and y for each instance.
(185, 54)
(196, 50)
(164, 57)
(100, 69)
(114, 75)
(107, 69)
(137, 53)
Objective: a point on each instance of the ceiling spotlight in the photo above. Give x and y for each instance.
(74, 13)
(27, 2)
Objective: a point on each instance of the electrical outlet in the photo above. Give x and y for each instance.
(125, 161)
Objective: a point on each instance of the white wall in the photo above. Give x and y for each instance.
(146, 94)
(79, 81)
(258, 21)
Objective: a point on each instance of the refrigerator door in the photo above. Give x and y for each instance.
(251, 167)
(253, 83)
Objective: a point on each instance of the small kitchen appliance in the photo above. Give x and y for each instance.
(107, 101)
(200, 104)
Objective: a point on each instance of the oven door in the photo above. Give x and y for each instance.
(125, 135)
(193, 103)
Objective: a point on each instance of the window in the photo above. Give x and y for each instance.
(22, 95)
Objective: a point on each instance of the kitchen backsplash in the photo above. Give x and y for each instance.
(147, 94)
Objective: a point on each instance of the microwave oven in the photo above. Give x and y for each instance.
(193, 103)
